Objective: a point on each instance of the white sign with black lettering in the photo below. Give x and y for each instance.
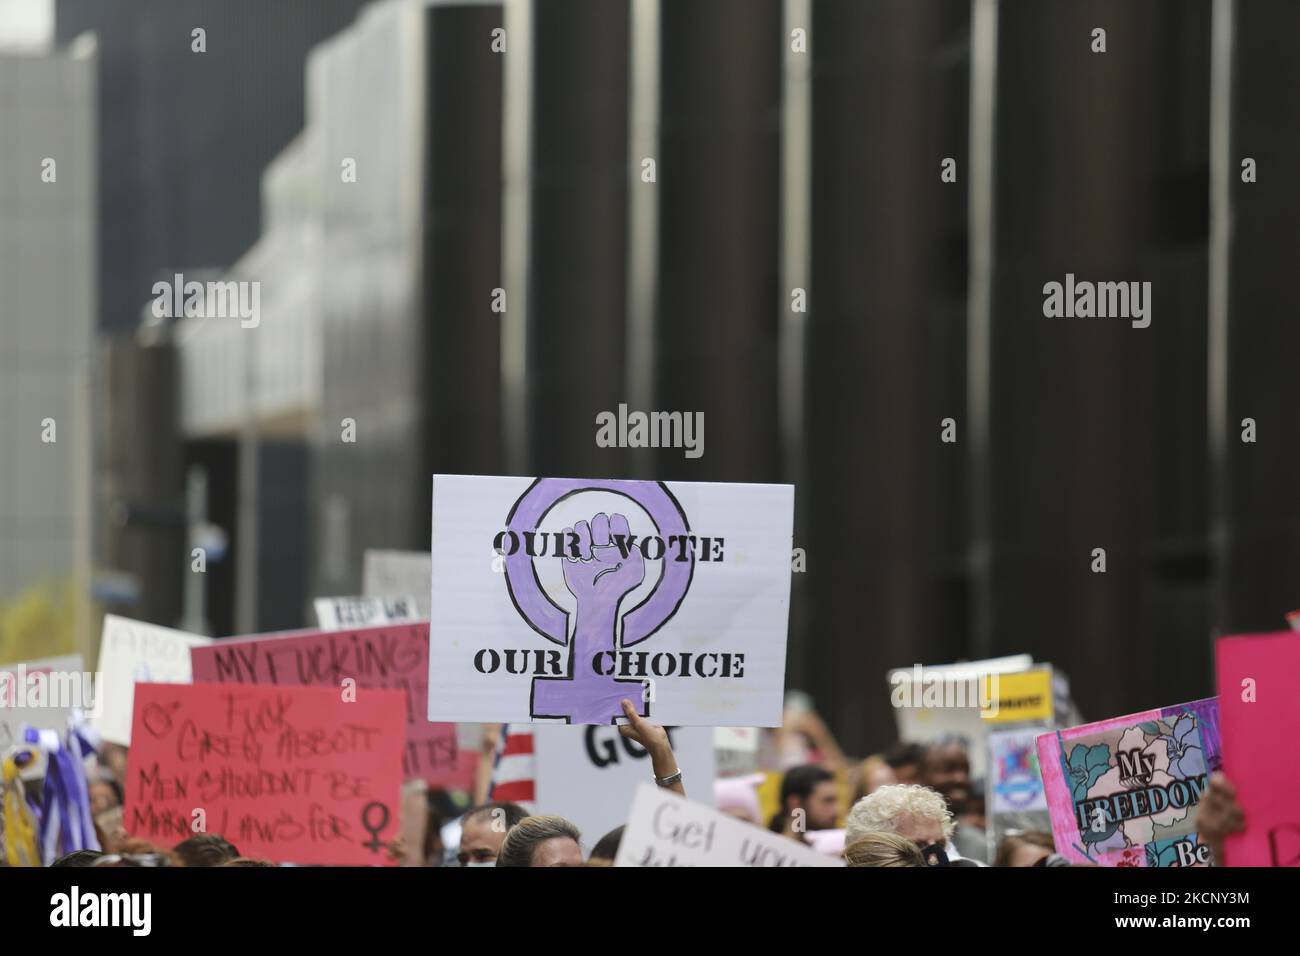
(132, 652)
(346, 613)
(589, 774)
(555, 599)
(665, 830)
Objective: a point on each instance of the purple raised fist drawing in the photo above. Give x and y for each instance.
(602, 566)
(607, 568)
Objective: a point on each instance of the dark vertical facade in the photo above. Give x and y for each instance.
(139, 506)
(1098, 429)
(718, 185)
(1259, 552)
(459, 335)
(577, 243)
(882, 513)
(219, 459)
(282, 515)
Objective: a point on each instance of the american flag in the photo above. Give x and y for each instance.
(514, 769)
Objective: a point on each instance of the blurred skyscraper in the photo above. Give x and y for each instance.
(48, 221)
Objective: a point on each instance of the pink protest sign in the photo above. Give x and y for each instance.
(393, 656)
(290, 774)
(1123, 792)
(1259, 715)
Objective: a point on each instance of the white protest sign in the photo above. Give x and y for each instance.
(345, 613)
(590, 774)
(133, 652)
(665, 830)
(554, 599)
(926, 724)
(42, 694)
(397, 572)
(736, 750)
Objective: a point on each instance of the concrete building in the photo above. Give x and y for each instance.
(375, 268)
(48, 224)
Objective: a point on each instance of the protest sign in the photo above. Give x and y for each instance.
(30, 694)
(677, 599)
(1014, 798)
(132, 652)
(338, 613)
(289, 774)
(960, 701)
(665, 830)
(735, 750)
(392, 656)
(1123, 792)
(590, 774)
(1259, 718)
(397, 572)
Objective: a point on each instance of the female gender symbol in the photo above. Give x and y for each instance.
(585, 696)
(375, 844)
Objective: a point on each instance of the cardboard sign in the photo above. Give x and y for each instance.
(1259, 717)
(590, 774)
(665, 830)
(44, 704)
(289, 774)
(391, 656)
(1123, 792)
(397, 572)
(554, 599)
(340, 613)
(132, 652)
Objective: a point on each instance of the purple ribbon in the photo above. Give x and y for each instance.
(64, 821)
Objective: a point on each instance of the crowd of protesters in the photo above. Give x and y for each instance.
(913, 806)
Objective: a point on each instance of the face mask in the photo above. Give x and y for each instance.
(935, 855)
(486, 863)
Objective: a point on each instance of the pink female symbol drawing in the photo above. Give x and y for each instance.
(602, 566)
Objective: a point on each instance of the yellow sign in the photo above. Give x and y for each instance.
(1023, 696)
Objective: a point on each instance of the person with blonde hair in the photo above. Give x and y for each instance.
(883, 849)
(541, 841)
(911, 811)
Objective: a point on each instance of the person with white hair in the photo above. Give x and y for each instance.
(911, 811)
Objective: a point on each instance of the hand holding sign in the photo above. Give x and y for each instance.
(654, 738)
(1219, 814)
